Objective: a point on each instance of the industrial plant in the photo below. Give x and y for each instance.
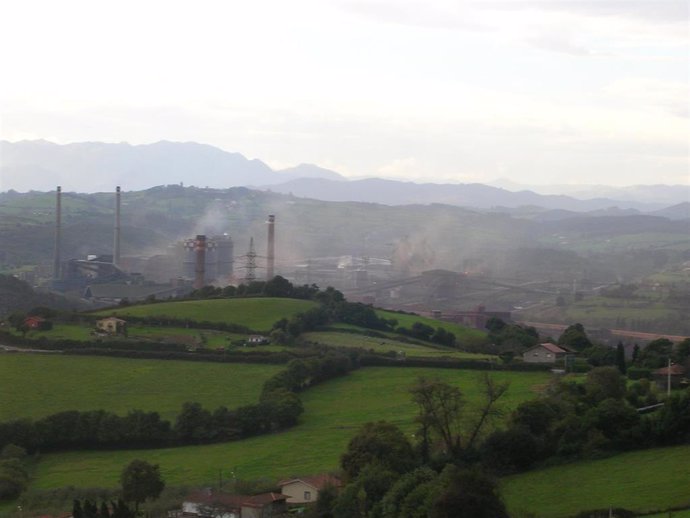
(193, 262)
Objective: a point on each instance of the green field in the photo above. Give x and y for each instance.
(640, 481)
(462, 333)
(383, 345)
(82, 333)
(255, 313)
(333, 413)
(41, 384)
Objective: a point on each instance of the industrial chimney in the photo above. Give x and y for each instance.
(58, 224)
(200, 264)
(116, 243)
(270, 256)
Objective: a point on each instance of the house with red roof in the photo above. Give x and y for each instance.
(675, 374)
(215, 504)
(304, 490)
(544, 353)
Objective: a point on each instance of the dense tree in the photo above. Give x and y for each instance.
(379, 443)
(141, 481)
(620, 358)
(466, 494)
(656, 353)
(514, 449)
(193, 424)
(13, 478)
(682, 351)
(605, 383)
(575, 338)
(440, 406)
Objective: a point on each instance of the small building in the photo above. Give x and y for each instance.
(213, 504)
(112, 325)
(34, 322)
(544, 353)
(675, 372)
(257, 340)
(304, 490)
(477, 318)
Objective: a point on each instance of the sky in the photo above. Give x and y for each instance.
(534, 91)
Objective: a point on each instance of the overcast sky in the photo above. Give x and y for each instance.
(540, 92)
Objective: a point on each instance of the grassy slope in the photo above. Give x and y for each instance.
(333, 413)
(643, 480)
(255, 313)
(383, 345)
(461, 333)
(45, 384)
(82, 333)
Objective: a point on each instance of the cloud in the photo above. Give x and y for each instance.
(669, 96)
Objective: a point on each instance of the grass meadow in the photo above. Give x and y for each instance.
(258, 313)
(334, 411)
(640, 481)
(82, 333)
(36, 385)
(383, 345)
(462, 333)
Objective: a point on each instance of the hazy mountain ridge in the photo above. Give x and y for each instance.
(97, 166)
(392, 192)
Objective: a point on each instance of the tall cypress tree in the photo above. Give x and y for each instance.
(620, 358)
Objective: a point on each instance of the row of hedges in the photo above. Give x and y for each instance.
(279, 407)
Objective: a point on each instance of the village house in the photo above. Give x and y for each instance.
(112, 325)
(675, 374)
(304, 490)
(34, 322)
(257, 340)
(212, 504)
(544, 353)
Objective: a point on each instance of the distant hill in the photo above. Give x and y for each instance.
(663, 195)
(16, 295)
(97, 166)
(680, 211)
(392, 192)
(309, 171)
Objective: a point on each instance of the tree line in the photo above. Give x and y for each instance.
(279, 407)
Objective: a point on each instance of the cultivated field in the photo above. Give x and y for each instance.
(35, 385)
(333, 413)
(258, 313)
(639, 481)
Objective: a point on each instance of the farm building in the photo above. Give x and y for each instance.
(211, 504)
(257, 340)
(544, 353)
(306, 489)
(675, 372)
(112, 325)
(34, 322)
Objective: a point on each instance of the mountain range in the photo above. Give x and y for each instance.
(97, 166)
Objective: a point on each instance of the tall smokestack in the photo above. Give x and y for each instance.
(58, 225)
(270, 256)
(116, 243)
(200, 265)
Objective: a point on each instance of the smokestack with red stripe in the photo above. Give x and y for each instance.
(200, 265)
(270, 256)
